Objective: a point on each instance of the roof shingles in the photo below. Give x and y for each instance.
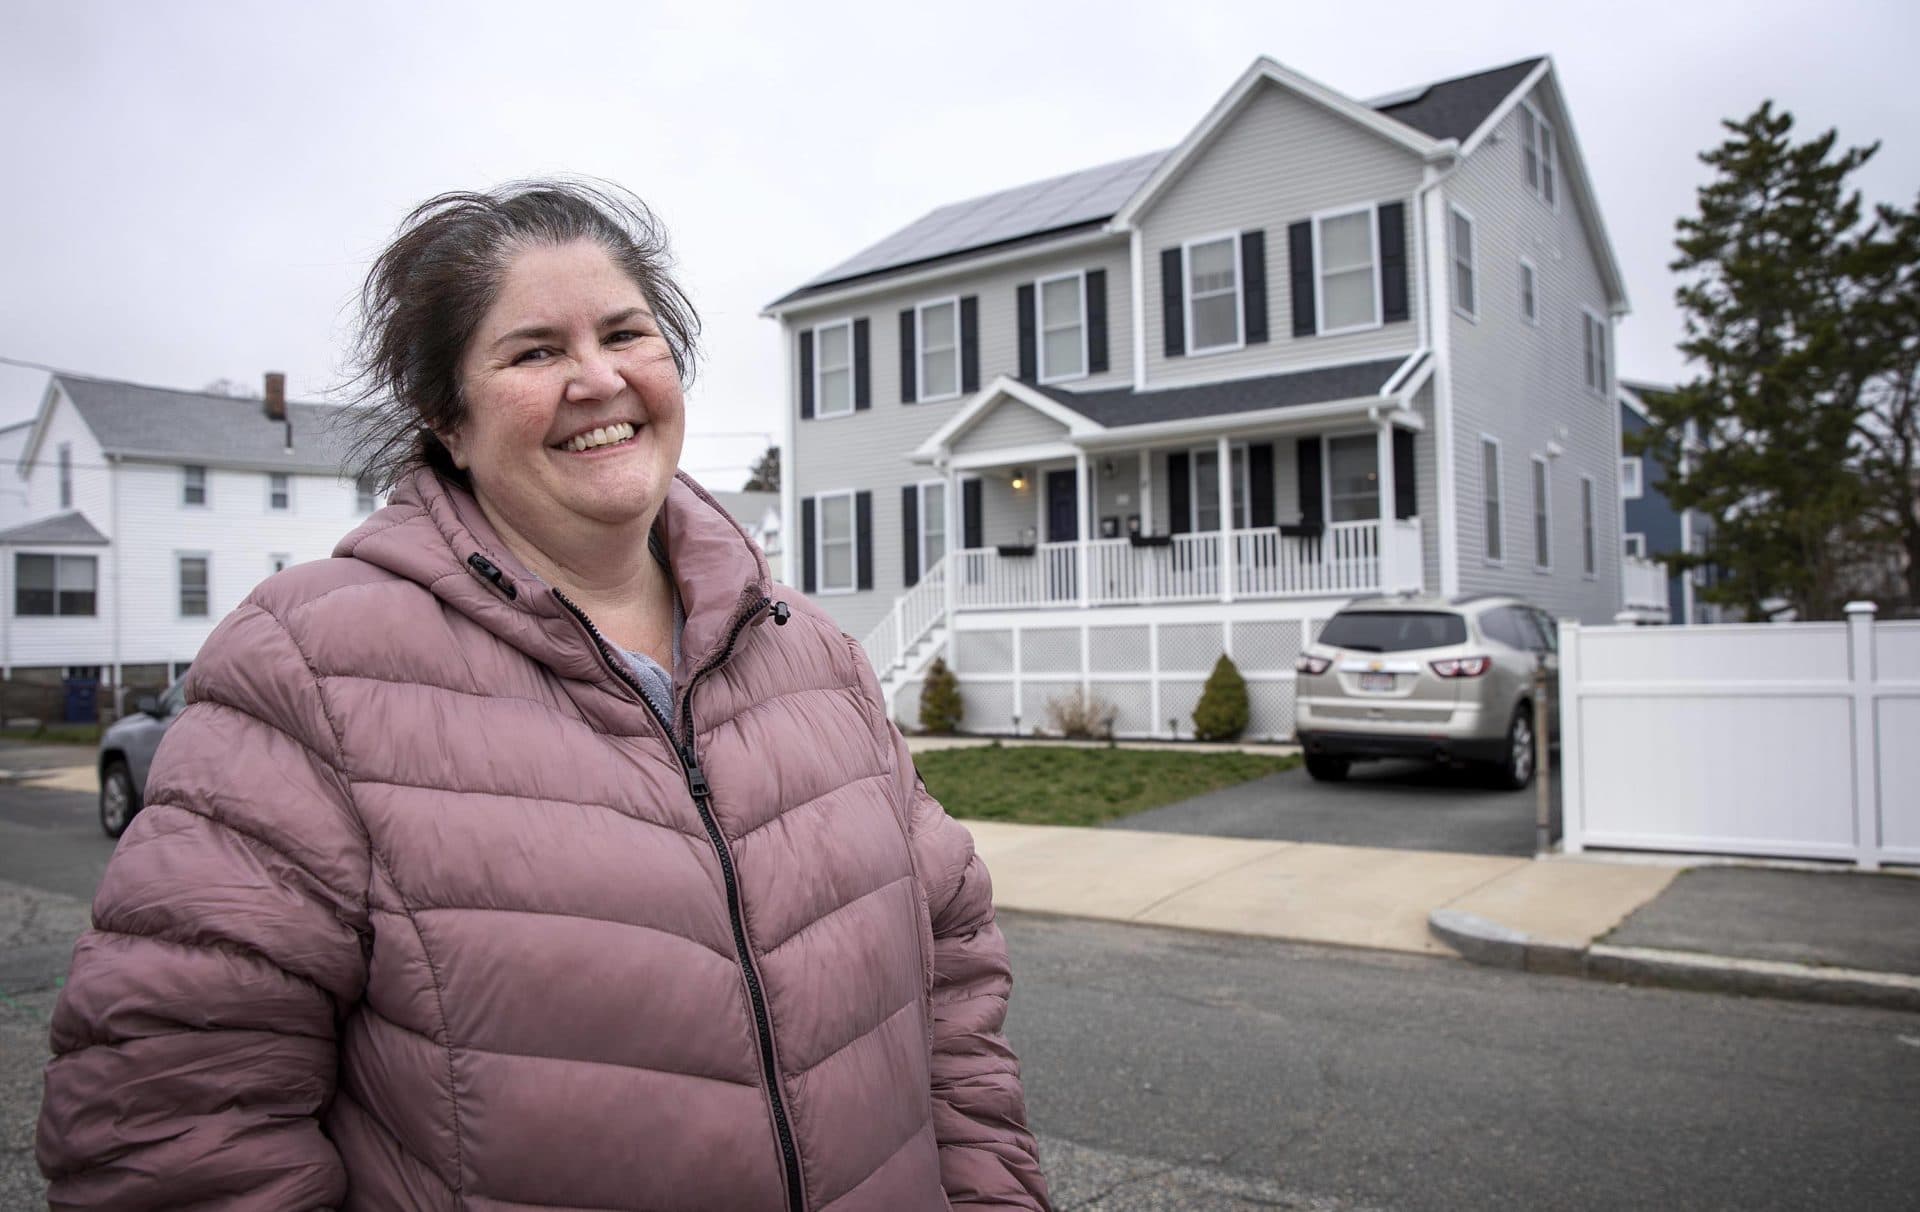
(132, 420)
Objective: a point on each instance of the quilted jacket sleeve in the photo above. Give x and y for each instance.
(988, 1158)
(195, 1038)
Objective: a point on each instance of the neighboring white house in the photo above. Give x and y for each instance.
(149, 513)
(1090, 433)
(759, 515)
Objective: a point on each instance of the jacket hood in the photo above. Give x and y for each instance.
(431, 529)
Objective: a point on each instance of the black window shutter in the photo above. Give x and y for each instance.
(862, 381)
(863, 539)
(1393, 262)
(970, 343)
(1260, 483)
(1405, 495)
(970, 524)
(1029, 339)
(1173, 315)
(1253, 284)
(908, 363)
(806, 374)
(910, 532)
(1300, 277)
(1096, 321)
(1179, 489)
(1307, 462)
(807, 580)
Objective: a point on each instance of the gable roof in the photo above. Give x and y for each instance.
(130, 420)
(70, 529)
(1087, 199)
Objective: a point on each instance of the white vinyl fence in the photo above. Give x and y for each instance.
(1797, 740)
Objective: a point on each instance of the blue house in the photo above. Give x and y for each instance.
(1652, 529)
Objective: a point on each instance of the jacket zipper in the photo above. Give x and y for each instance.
(703, 803)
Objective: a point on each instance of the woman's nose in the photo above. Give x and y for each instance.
(594, 378)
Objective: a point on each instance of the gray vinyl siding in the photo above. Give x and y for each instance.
(1011, 423)
(1280, 160)
(1426, 475)
(1525, 384)
(869, 449)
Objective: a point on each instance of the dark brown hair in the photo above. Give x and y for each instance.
(430, 287)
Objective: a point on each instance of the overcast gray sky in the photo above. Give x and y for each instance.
(192, 191)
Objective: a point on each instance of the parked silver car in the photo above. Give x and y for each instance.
(126, 751)
(1446, 679)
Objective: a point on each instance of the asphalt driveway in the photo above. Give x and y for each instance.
(1399, 805)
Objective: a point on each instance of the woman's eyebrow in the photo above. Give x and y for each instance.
(546, 332)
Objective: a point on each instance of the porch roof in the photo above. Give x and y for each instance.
(70, 529)
(1123, 406)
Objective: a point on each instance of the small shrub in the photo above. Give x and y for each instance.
(1081, 717)
(940, 705)
(1221, 714)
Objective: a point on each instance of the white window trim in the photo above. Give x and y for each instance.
(1040, 323)
(1326, 470)
(1499, 494)
(920, 522)
(372, 494)
(1550, 156)
(1239, 293)
(1633, 545)
(1532, 276)
(271, 507)
(1540, 507)
(206, 487)
(1634, 486)
(13, 569)
(282, 558)
(1589, 529)
(821, 589)
(179, 584)
(1243, 485)
(819, 398)
(1603, 362)
(1473, 264)
(920, 351)
(1372, 211)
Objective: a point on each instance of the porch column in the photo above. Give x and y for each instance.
(956, 524)
(1080, 522)
(1224, 462)
(1146, 491)
(1383, 451)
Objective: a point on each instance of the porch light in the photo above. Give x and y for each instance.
(1019, 479)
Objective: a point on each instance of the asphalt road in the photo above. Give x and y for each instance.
(1400, 805)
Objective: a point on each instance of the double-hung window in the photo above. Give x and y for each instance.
(835, 555)
(1537, 154)
(1529, 297)
(1464, 287)
(1491, 503)
(1634, 544)
(1347, 270)
(1206, 488)
(833, 369)
(54, 584)
(1632, 482)
(1353, 478)
(66, 475)
(193, 486)
(193, 586)
(1063, 327)
(939, 346)
(1588, 552)
(279, 491)
(933, 522)
(365, 494)
(1542, 523)
(1213, 294)
(1594, 351)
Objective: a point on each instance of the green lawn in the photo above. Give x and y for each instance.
(1042, 785)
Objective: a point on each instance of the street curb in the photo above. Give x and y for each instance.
(1481, 941)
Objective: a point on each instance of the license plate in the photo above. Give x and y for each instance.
(1376, 681)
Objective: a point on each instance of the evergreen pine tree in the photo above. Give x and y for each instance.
(1222, 713)
(940, 706)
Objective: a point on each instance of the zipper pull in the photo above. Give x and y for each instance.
(780, 614)
(492, 574)
(696, 778)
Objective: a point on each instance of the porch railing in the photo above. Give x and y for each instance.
(913, 616)
(1348, 557)
(1643, 584)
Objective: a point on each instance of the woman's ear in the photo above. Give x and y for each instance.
(453, 441)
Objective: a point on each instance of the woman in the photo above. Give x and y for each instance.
(536, 851)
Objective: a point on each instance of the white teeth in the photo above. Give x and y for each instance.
(605, 436)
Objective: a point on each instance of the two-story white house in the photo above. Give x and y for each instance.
(147, 514)
(1090, 433)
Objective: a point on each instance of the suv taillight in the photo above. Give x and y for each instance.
(1462, 667)
(1312, 665)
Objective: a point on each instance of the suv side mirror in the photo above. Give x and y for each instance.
(146, 704)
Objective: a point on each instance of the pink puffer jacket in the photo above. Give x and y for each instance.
(425, 912)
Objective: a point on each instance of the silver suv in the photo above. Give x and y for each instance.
(126, 750)
(1447, 679)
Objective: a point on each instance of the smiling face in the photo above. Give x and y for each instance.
(567, 361)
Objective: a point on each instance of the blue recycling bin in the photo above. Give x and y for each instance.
(82, 704)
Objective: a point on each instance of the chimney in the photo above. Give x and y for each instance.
(276, 396)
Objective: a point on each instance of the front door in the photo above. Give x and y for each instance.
(1062, 527)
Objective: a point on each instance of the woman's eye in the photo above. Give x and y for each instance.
(625, 336)
(532, 356)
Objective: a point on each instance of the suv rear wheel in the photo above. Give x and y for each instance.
(1515, 768)
(1324, 769)
(118, 799)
